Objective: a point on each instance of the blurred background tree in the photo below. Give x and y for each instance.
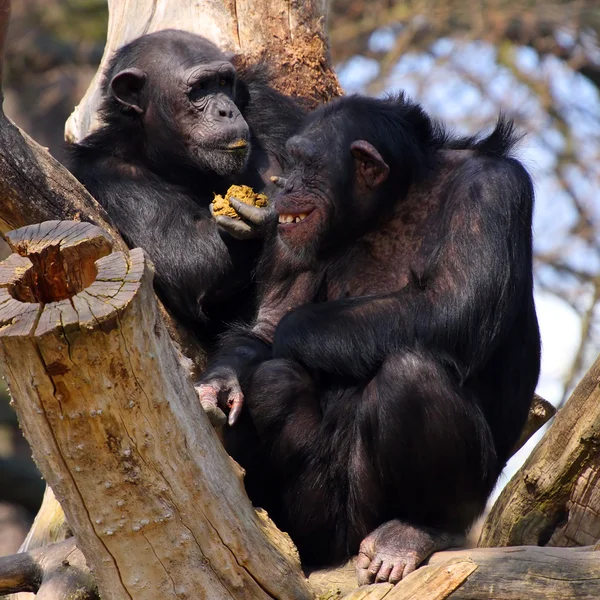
(465, 60)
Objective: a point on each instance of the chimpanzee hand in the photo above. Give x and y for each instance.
(254, 223)
(220, 391)
(396, 549)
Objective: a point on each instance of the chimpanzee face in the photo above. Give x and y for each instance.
(218, 135)
(188, 110)
(306, 201)
(331, 190)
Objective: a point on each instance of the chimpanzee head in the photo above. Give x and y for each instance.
(351, 162)
(181, 89)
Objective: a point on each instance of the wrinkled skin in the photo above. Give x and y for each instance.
(396, 549)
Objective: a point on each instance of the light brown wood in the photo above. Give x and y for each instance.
(520, 573)
(290, 36)
(553, 497)
(157, 506)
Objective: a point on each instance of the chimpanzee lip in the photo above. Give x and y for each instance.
(238, 144)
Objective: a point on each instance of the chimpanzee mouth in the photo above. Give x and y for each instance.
(239, 146)
(292, 219)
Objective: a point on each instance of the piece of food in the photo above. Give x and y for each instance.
(243, 193)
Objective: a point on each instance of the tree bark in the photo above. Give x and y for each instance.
(289, 35)
(554, 498)
(158, 508)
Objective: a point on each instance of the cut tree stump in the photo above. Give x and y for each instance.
(554, 498)
(157, 506)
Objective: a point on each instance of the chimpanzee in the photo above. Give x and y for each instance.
(396, 348)
(179, 126)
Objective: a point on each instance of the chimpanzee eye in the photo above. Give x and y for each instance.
(222, 82)
(196, 92)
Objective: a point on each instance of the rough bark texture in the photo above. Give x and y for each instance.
(290, 35)
(554, 499)
(482, 574)
(158, 508)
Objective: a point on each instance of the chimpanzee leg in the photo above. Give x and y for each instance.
(283, 405)
(278, 408)
(434, 450)
(309, 454)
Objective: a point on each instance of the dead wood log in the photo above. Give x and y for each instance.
(554, 498)
(288, 35)
(480, 574)
(59, 571)
(158, 508)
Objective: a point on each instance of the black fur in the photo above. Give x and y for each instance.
(398, 390)
(158, 193)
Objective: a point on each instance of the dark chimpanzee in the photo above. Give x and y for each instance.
(179, 126)
(396, 348)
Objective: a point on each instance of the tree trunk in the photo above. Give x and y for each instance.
(554, 498)
(158, 508)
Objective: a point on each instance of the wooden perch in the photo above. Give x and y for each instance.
(158, 508)
(555, 497)
(481, 574)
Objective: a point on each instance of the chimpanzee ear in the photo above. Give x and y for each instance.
(127, 87)
(371, 169)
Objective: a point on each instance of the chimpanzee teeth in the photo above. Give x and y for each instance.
(292, 218)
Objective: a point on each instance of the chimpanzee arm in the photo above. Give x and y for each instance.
(195, 264)
(461, 305)
(244, 349)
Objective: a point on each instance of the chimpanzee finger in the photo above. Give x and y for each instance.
(235, 400)
(397, 572)
(236, 404)
(410, 566)
(236, 228)
(207, 394)
(384, 572)
(367, 569)
(254, 214)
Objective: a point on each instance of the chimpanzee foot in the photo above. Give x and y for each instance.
(396, 549)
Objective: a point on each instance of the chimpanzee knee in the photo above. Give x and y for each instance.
(275, 387)
(428, 423)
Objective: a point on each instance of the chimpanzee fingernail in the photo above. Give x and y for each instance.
(234, 413)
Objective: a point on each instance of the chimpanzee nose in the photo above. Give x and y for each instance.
(224, 108)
